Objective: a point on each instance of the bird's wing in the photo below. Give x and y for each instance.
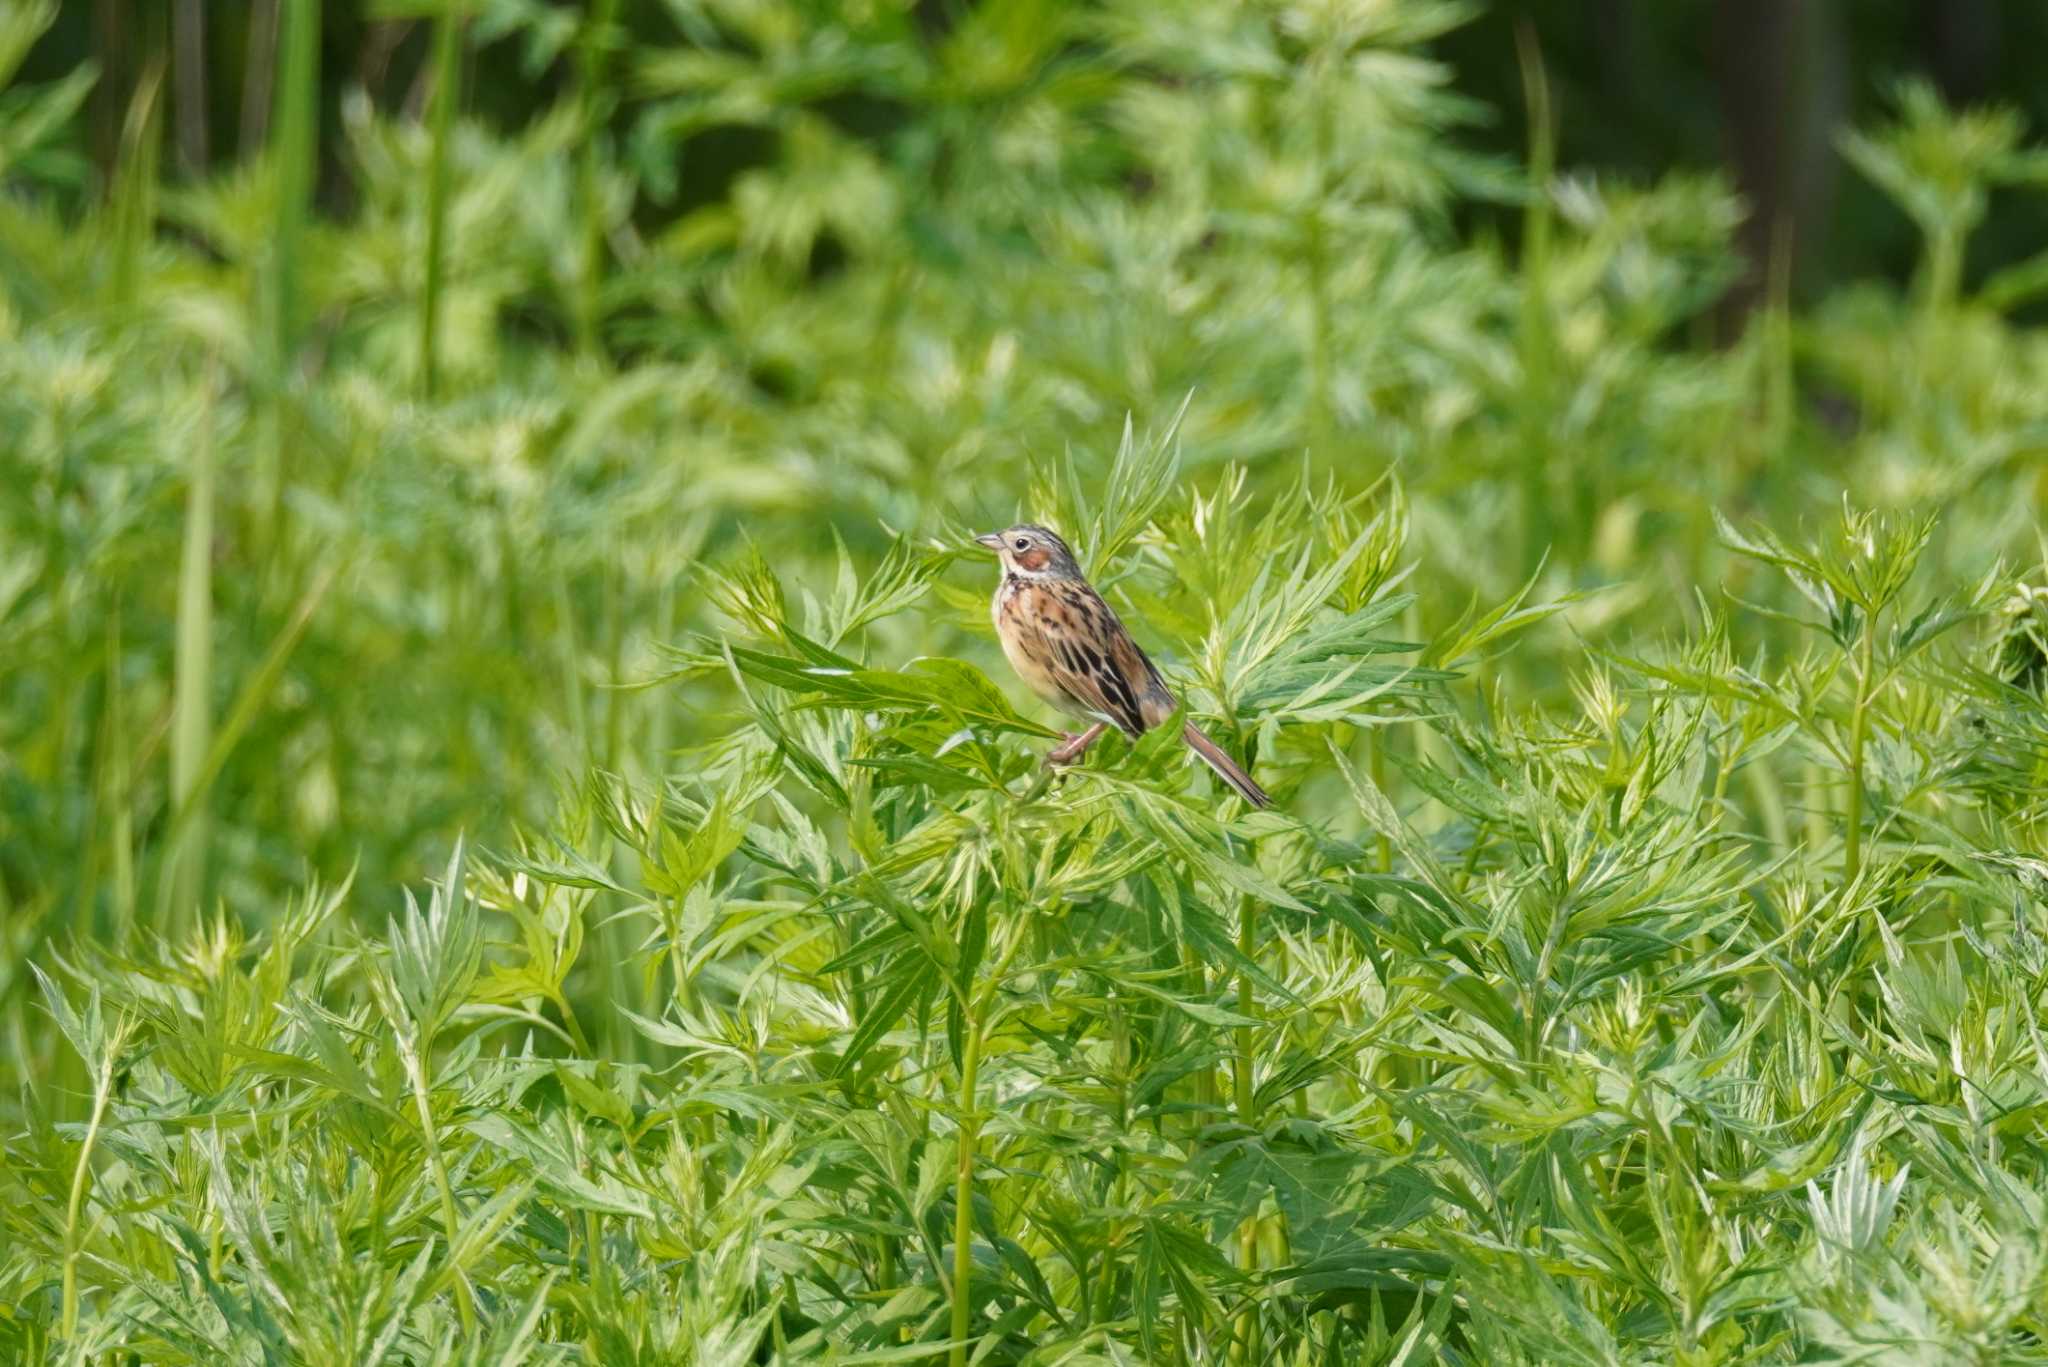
(1086, 651)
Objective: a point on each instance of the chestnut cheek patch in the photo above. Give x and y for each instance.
(1035, 559)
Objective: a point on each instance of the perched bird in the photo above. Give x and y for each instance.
(1069, 646)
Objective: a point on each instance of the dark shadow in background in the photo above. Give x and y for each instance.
(1761, 88)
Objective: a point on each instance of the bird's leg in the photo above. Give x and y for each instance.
(1072, 750)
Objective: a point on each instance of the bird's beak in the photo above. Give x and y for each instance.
(992, 540)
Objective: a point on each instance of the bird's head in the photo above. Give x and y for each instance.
(1032, 553)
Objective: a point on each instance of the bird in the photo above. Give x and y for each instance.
(1072, 650)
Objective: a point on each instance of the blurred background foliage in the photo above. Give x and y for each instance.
(377, 383)
(478, 391)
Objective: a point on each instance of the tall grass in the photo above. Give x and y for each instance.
(556, 871)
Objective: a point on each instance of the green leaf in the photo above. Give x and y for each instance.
(902, 985)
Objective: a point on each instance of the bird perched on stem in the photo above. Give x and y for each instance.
(1065, 642)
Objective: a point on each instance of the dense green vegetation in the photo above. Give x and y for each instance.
(516, 843)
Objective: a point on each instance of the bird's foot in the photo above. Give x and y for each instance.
(1072, 748)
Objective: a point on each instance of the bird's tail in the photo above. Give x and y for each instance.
(1212, 754)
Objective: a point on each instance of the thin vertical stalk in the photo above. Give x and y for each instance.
(437, 1164)
(296, 152)
(191, 725)
(593, 1243)
(1205, 1079)
(1944, 270)
(615, 614)
(134, 206)
(121, 785)
(1859, 724)
(74, 1238)
(1319, 271)
(1383, 842)
(980, 997)
(1241, 1067)
(1535, 340)
(885, 1267)
(590, 172)
(258, 686)
(447, 90)
(1247, 1115)
(963, 1191)
(617, 944)
(679, 957)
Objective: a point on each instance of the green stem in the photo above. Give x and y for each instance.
(573, 1027)
(134, 196)
(596, 34)
(298, 103)
(1534, 342)
(1945, 270)
(885, 1266)
(74, 1240)
(447, 89)
(963, 1191)
(1205, 1078)
(296, 152)
(593, 1247)
(1319, 277)
(979, 998)
(1247, 1116)
(192, 705)
(1383, 843)
(122, 783)
(1247, 926)
(1852, 851)
(679, 960)
(450, 1221)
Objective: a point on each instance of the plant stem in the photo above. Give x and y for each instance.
(596, 36)
(980, 997)
(1859, 722)
(121, 782)
(1319, 425)
(593, 1248)
(963, 1190)
(450, 1221)
(296, 151)
(1383, 843)
(679, 959)
(1205, 1078)
(297, 146)
(447, 89)
(135, 182)
(1534, 339)
(1247, 926)
(182, 883)
(102, 1094)
(1247, 1115)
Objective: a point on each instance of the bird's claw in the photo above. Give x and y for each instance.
(1073, 747)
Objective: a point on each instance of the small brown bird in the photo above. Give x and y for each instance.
(1065, 642)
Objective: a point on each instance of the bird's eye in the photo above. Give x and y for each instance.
(1022, 544)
